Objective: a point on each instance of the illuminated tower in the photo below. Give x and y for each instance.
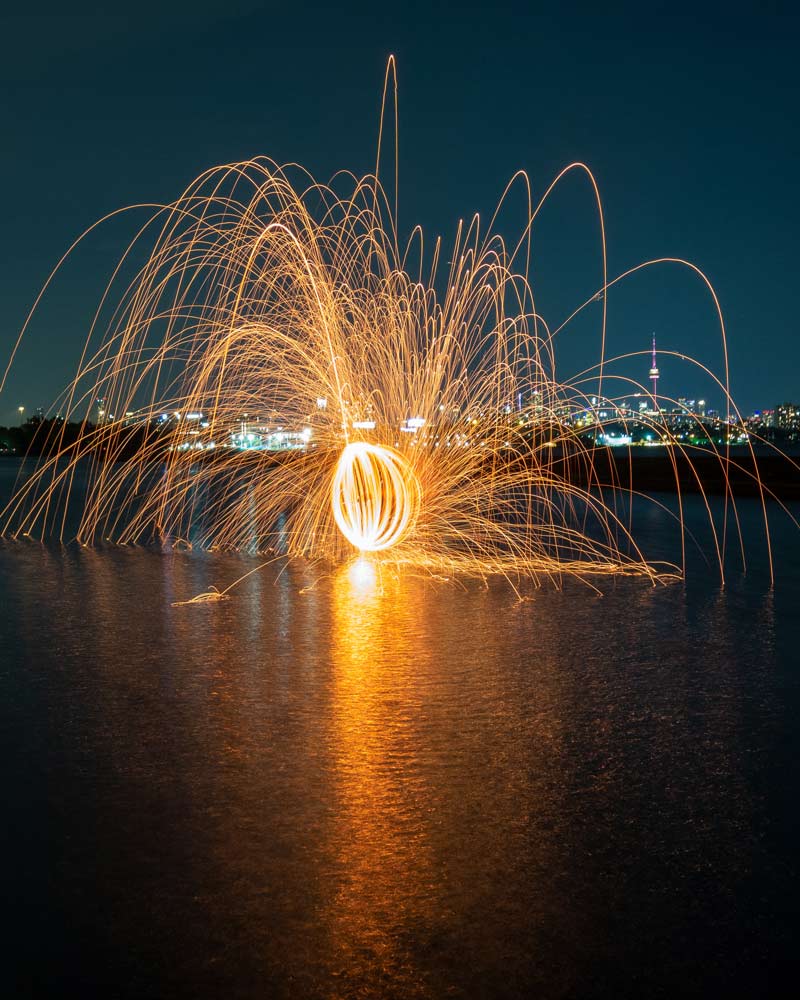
(654, 375)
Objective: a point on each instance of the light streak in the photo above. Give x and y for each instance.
(424, 407)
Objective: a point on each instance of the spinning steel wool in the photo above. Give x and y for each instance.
(277, 373)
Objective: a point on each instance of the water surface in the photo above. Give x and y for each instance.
(348, 785)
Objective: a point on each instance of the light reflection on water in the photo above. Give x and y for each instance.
(384, 854)
(359, 783)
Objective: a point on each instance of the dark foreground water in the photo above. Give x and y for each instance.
(396, 788)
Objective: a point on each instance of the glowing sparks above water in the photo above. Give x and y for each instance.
(424, 406)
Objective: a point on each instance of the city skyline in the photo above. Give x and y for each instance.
(668, 403)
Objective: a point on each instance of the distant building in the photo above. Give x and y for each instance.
(787, 417)
(654, 375)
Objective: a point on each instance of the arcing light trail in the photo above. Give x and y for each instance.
(429, 420)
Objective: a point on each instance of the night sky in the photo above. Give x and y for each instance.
(688, 119)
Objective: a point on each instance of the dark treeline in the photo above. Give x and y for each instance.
(47, 436)
(38, 434)
(649, 471)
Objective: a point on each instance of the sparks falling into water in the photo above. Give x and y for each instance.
(429, 401)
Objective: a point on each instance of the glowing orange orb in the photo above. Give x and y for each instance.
(375, 496)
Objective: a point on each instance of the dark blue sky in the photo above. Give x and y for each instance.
(688, 118)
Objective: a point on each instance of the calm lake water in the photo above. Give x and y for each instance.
(339, 786)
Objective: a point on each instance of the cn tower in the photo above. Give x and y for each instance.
(654, 375)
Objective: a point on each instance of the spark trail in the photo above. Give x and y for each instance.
(422, 397)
